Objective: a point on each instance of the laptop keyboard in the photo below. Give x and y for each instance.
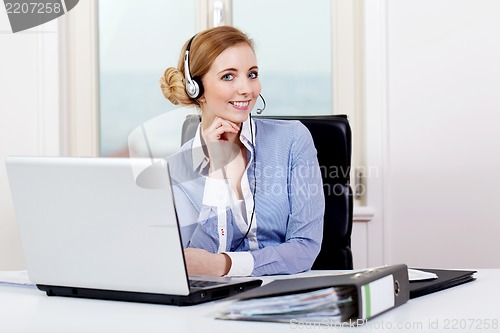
(201, 284)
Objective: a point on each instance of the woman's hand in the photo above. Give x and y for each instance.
(202, 262)
(219, 136)
(219, 129)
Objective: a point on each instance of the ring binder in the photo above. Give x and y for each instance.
(354, 297)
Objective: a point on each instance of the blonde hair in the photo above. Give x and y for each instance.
(205, 48)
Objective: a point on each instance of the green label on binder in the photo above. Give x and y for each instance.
(367, 302)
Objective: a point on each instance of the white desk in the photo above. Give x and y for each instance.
(467, 308)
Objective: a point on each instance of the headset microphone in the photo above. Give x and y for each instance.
(259, 111)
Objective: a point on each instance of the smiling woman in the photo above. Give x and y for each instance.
(233, 222)
(230, 89)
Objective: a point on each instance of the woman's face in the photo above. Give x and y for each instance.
(231, 85)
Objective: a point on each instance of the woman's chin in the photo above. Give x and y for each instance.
(240, 118)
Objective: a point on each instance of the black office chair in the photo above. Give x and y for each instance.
(332, 139)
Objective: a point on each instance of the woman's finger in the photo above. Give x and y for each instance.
(218, 128)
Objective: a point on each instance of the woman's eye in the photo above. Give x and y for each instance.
(227, 77)
(253, 75)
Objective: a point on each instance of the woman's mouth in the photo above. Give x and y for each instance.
(240, 105)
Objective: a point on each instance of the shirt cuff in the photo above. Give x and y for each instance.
(241, 263)
(213, 195)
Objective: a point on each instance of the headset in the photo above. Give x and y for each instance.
(194, 87)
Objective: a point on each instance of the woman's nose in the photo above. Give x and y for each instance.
(244, 87)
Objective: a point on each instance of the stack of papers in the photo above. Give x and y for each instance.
(333, 304)
(17, 278)
(419, 275)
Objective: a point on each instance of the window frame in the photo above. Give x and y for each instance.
(79, 101)
(79, 46)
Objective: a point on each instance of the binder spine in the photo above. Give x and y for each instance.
(377, 297)
(386, 288)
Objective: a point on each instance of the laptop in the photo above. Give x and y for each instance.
(106, 228)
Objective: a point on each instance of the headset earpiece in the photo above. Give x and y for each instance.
(199, 88)
(194, 87)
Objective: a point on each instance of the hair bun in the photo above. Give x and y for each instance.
(173, 87)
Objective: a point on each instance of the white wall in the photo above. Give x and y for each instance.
(434, 93)
(29, 114)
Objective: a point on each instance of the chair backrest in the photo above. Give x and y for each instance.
(332, 138)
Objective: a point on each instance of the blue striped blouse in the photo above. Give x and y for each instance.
(287, 226)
